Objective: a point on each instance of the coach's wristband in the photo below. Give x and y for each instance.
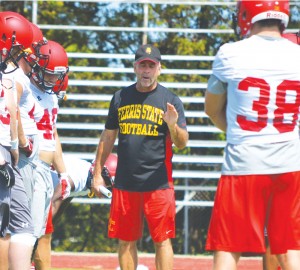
(14, 144)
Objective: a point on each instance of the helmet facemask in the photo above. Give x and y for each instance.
(31, 58)
(48, 79)
(15, 36)
(11, 55)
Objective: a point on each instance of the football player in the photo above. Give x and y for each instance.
(46, 83)
(253, 96)
(80, 175)
(16, 243)
(270, 261)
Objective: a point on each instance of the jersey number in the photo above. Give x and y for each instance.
(260, 105)
(4, 118)
(46, 124)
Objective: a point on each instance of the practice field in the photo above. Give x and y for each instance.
(108, 261)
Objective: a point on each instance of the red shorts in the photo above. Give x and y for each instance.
(128, 210)
(245, 205)
(49, 225)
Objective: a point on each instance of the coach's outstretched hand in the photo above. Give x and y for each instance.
(171, 115)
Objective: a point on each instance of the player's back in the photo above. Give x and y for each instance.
(263, 80)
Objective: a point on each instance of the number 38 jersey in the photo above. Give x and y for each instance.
(262, 77)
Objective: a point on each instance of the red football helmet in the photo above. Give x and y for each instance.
(108, 172)
(249, 12)
(37, 40)
(52, 66)
(294, 37)
(111, 164)
(60, 89)
(15, 36)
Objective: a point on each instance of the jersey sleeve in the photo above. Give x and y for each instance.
(222, 68)
(112, 118)
(215, 86)
(181, 122)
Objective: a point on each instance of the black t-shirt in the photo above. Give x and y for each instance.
(145, 146)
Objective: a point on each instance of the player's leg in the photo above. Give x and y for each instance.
(164, 255)
(20, 251)
(5, 203)
(126, 224)
(5, 200)
(226, 260)
(43, 192)
(127, 254)
(42, 256)
(290, 260)
(284, 223)
(238, 218)
(270, 261)
(21, 227)
(160, 210)
(4, 246)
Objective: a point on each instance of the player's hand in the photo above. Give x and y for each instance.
(65, 186)
(2, 160)
(171, 115)
(27, 148)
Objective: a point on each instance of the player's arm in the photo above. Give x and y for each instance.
(105, 146)
(66, 185)
(179, 136)
(12, 108)
(25, 144)
(56, 200)
(21, 135)
(58, 162)
(215, 103)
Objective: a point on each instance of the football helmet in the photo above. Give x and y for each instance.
(60, 89)
(294, 37)
(249, 12)
(111, 164)
(52, 66)
(37, 40)
(108, 172)
(15, 36)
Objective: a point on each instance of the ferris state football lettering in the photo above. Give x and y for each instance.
(139, 111)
